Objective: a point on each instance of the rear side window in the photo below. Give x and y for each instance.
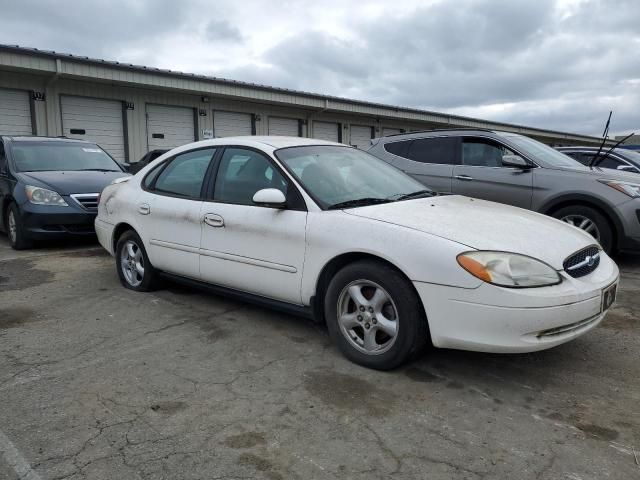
(439, 150)
(399, 148)
(184, 175)
(3, 159)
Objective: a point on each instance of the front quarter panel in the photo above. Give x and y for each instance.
(420, 256)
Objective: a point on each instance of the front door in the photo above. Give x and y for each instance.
(170, 212)
(252, 248)
(482, 175)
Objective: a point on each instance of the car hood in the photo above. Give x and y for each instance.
(68, 182)
(484, 225)
(600, 173)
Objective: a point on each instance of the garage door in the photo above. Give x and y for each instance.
(284, 126)
(169, 127)
(390, 131)
(361, 136)
(95, 120)
(232, 124)
(326, 131)
(15, 113)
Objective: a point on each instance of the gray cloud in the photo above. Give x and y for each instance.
(551, 63)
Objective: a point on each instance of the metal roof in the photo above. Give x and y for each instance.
(446, 118)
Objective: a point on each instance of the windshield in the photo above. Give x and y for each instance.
(629, 155)
(541, 153)
(57, 156)
(345, 177)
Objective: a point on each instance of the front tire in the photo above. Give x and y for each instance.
(132, 263)
(591, 221)
(15, 229)
(374, 315)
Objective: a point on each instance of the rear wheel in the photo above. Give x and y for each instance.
(374, 315)
(589, 220)
(15, 230)
(134, 268)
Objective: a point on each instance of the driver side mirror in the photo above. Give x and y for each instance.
(627, 168)
(515, 161)
(270, 197)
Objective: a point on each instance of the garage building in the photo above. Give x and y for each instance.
(130, 109)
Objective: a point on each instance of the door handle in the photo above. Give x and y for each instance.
(466, 178)
(213, 220)
(144, 209)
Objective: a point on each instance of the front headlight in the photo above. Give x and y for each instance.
(42, 196)
(631, 189)
(508, 269)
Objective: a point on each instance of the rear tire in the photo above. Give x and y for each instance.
(132, 263)
(591, 221)
(15, 229)
(374, 315)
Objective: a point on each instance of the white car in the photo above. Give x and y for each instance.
(325, 230)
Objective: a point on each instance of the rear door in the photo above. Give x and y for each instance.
(169, 212)
(429, 160)
(482, 175)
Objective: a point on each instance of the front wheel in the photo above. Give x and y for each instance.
(132, 263)
(589, 220)
(374, 315)
(15, 230)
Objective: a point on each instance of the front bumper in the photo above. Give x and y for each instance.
(503, 320)
(42, 222)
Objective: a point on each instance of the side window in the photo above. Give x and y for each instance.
(439, 150)
(152, 175)
(184, 174)
(3, 160)
(479, 152)
(580, 157)
(609, 162)
(242, 173)
(399, 148)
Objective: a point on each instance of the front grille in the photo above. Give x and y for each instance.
(583, 262)
(88, 201)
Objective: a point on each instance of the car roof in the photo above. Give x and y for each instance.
(422, 133)
(261, 142)
(26, 138)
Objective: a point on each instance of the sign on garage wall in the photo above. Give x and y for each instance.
(15, 113)
(169, 127)
(361, 136)
(289, 127)
(95, 120)
(326, 131)
(232, 124)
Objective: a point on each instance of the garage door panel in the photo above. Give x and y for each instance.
(361, 136)
(101, 120)
(15, 113)
(289, 127)
(169, 127)
(231, 124)
(326, 131)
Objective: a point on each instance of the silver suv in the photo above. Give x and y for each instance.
(517, 170)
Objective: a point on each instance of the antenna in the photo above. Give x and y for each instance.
(604, 139)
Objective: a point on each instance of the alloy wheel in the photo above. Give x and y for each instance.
(132, 263)
(13, 228)
(583, 223)
(368, 317)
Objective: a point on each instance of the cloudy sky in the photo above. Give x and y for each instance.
(560, 64)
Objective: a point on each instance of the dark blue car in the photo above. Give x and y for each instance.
(49, 187)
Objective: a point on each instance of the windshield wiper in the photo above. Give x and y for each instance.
(96, 170)
(358, 202)
(418, 194)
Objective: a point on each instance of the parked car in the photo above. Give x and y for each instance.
(618, 159)
(519, 171)
(145, 160)
(328, 231)
(49, 187)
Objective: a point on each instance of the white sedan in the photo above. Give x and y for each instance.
(325, 230)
